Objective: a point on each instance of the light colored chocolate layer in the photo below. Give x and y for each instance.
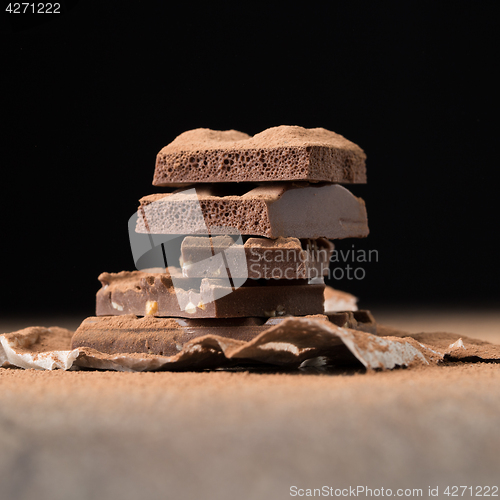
(283, 209)
(284, 153)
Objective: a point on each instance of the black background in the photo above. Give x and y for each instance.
(90, 96)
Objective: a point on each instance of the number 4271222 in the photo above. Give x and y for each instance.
(477, 491)
(33, 8)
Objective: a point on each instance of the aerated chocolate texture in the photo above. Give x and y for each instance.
(284, 153)
(144, 294)
(282, 209)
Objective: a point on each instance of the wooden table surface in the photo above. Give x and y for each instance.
(227, 435)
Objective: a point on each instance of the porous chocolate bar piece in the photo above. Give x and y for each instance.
(282, 258)
(143, 293)
(285, 153)
(284, 209)
(167, 336)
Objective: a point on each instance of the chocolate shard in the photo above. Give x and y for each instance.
(165, 336)
(282, 258)
(143, 294)
(355, 320)
(339, 301)
(162, 336)
(38, 347)
(284, 153)
(283, 209)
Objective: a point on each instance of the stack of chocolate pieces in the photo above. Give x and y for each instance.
(240, 241)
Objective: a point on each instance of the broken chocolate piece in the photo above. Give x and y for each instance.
(282, 258)
(37, 347)
(338, 301)
(142, 294)
(162, 336)
(287, 210)
(137, 343)
(165, 336)
(284, 153)
(355, 320)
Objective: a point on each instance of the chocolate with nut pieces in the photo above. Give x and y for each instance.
(143, 294)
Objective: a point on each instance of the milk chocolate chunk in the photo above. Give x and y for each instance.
(166, 336)
(162, 336)
(282, 258)
(273, 210)
(145, 294)
(355, 320)
(284, 153)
